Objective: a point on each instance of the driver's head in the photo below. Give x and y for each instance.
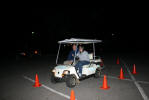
(74, 47)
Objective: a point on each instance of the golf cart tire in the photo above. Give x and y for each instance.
(97, 73)
(71, 81)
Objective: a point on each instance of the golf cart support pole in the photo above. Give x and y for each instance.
(58, 53)
(94, 50)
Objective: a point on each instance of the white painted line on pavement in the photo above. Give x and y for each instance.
(48, 88)
(113, 77)
(136, 83)
(126, 79)
(143, 82)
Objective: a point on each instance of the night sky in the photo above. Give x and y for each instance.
(115, 26)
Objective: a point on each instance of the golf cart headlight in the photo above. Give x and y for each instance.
(53, 70)
(65, 72)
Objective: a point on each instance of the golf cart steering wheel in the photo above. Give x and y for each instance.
(76, 58)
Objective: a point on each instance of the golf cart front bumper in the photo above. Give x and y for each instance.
(62, 78)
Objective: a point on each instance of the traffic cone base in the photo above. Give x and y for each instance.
(134, 72)
(37, 85)
(121, 77)
(105, 88)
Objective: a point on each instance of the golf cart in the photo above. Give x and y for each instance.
(68, 73)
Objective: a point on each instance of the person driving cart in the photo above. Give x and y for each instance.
(71, 55)
(83, 59)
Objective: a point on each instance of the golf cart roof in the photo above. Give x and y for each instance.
(80, 41)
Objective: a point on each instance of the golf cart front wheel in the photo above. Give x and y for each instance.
(53, 79)
(97, 73)
(71, 81)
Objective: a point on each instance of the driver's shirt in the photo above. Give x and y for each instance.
(70, 57)
(83, 56)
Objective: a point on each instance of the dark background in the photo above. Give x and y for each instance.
(121, 29)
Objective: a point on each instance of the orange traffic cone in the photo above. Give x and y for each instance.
(72, 96)
(134, 69)
(105, 85)
(37, 84)
(121, 74)
(118, 61)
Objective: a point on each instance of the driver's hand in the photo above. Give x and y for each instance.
(73, 55)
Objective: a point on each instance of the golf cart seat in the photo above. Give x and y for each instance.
(93, 60)
(90, 56)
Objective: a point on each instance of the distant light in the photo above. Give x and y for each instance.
(33, 32)
(24, 54)
(36, 52)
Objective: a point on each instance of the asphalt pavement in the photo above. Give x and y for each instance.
(17, 78)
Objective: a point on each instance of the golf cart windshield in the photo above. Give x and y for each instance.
(78, 41)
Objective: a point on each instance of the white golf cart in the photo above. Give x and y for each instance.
(68, 73)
